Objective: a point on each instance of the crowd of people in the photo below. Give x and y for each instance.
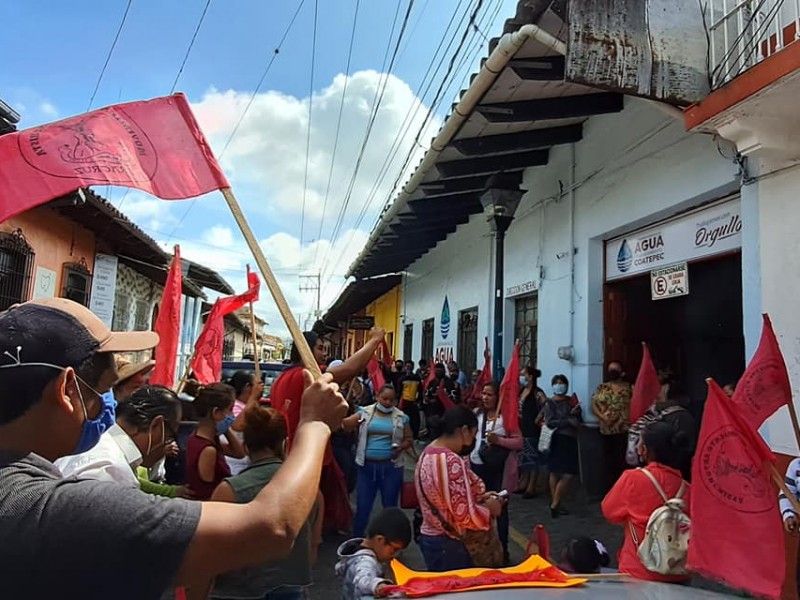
(242, 489)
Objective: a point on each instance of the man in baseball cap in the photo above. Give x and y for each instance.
(87, 539)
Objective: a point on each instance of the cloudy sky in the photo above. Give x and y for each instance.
(290, 148)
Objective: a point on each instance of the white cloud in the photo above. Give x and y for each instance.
(48, 109)
(152, 214)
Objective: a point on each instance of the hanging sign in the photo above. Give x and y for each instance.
(104, 287)
(44, 285)
(670, 282)
(706, 232)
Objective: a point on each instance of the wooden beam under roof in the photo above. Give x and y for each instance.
(565, 107)
(492, 164)
(545, 68)
(517, 142)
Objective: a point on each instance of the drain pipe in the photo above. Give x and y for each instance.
(506, 49)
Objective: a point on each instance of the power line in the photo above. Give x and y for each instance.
(191, 45)
(338, 129)
(246, 108)
(308, 129)
(110, 52)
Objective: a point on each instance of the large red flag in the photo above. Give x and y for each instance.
(647, 387)
(155, 146)
(168, 326)
(509, 394)
(207, 364)
(737, 537)
(376, 375)
(444, 397)
(765, 386)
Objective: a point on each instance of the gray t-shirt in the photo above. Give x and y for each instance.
(69, 538)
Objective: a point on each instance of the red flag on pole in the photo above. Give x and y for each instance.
(647, 387)
(509, 394)
(376, 374)
(207, 363)
(733, 503)
(485, 377)
(431, 375)
(765, 386)
(168, 326)
(387, 355)
(155, 146)
(444, 397)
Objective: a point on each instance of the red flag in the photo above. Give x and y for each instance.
(168, 326)
(647, 387)
(431, 375)
(444, 397)
(765, 386)
(485, 377)
(155, 146)
(387, 355)
(207, 363)
(509, 394)
(733, 503)
(376, 374)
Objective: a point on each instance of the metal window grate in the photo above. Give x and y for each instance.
(16, 268)
(76, 282)
(228, 349)
(122, 311)
(526, 326)
(142, 322)
(408, 343)
(468, 340)
(427, 338)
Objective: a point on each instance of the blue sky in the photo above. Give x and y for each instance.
(54, 52)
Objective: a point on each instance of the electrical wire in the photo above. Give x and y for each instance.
(191, 45)
(308, 129)
(110, 52)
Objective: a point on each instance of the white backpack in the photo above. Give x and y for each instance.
(666, 538)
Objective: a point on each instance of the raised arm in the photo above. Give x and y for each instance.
(233, 536)
(355, 365)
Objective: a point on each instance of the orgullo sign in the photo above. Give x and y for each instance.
(714, 230)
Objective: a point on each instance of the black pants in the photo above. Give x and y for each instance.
(614, 447)
(412, 410)
(493, 480)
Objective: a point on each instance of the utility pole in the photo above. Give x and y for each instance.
(313, 285)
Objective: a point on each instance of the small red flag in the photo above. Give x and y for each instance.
(733, 503)
(168, 326)
(207, 364)
(431, 375)
(765, 386)
(376, 375)
(386, 354)
(474, 396)
(444, 397)
(509, 394)
(647, 387)
(155, 146)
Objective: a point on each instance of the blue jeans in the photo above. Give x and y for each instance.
(372, 477)
(443, 553)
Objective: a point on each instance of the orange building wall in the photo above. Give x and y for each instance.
(54, 239)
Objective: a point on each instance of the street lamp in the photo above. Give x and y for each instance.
(500, 200)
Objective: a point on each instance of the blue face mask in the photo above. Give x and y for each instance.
(384, 409)
(523, 381)
(225, 424)
(560, 389)
(93, 428)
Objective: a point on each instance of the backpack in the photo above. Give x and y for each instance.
(666, 538)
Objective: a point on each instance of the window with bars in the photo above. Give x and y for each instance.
(142, 322)
(76, 282)
(16, 268)
(468, 340)
(408, 342)
(122, 311)
(428, 326)
(526, 325)
(228, 349)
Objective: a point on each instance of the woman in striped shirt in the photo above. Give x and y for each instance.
(452, 498)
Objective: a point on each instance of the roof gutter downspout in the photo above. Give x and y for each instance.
(506, 48)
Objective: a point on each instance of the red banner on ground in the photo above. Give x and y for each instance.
(765, 386)
(737, 536)
(207, 364)
(155, 146)
(646, 388)
(168, 326)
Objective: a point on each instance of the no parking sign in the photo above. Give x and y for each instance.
(670, 282)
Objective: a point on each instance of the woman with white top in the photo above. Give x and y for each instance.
(494, 458)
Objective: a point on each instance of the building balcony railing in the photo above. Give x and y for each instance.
(742, 33)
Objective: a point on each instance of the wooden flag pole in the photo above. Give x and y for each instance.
(280, 300)
(256, 357)
(781, 483)
(795, 424)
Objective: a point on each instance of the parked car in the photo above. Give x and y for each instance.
(269, 371)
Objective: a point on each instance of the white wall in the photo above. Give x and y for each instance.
(632, 169)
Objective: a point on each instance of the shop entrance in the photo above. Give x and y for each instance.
(697, 336)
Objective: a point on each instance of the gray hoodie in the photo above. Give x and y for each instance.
(359, 569)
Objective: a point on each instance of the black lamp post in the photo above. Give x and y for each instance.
(500, 200)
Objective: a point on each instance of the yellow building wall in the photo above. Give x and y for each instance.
(387, 310)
